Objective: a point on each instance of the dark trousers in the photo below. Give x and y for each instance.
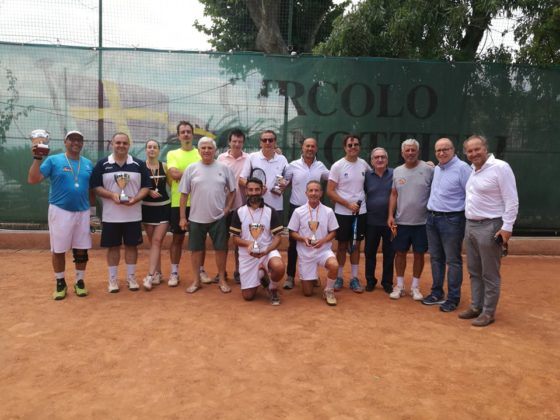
(374, 234)
(292, 251)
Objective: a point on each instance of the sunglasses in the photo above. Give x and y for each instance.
(350, 145)
(268, 140)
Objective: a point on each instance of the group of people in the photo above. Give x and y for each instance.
(418, 204)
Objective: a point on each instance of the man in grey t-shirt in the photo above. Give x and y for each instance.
(211, 186)
(409, 197)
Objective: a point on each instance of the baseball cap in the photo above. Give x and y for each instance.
(73, 132)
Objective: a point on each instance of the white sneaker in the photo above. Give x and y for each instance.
(397, 293)
(113, 285)
(132, 283)
(147, 283)
(329, 296)
(156, 279)
(204, 278)
(415, 293)
(173, 280)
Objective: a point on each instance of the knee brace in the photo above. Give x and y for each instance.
(80, 255)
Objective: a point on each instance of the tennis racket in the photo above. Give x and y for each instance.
(259, 174)
(354, 230)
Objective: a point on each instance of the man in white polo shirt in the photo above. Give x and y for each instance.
(298, 173)
(314, 226)
(273, 165)
(122, 207)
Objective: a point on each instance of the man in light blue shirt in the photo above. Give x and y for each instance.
(445, 226)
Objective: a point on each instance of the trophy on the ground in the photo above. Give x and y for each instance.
(256, 229)
(40, 138)
(122, 179)
(313, 226)
(278, 184)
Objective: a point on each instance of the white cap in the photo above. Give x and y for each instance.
(73, 132)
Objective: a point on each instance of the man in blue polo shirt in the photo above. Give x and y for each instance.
(378, 184)
(69, 208)
(122, 207)
(445, 225)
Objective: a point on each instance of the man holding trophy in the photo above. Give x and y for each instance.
(256, 229)
(314, 226)
(121, 182)
(69, 204)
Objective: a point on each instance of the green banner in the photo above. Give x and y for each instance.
(145, 93)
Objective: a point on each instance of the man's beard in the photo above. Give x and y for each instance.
(255, 199)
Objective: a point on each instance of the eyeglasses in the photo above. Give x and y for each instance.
(268, 139)
(380, 157)
(350, 145)
(444, 150)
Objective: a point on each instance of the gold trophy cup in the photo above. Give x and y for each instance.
(40, 138)
(122, 179)
(313, 226)
(256, 229)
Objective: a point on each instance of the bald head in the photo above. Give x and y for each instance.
(444, 150)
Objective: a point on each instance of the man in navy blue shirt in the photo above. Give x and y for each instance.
(378, 184)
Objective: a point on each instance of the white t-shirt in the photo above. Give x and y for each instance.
(272, 167)
(349, 177)
(299, 222)
(299, 174)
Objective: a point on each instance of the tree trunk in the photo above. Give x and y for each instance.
(264, 14)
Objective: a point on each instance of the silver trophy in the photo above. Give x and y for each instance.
(122, 179)
(40, 138)
(277, 189)
(313, 226)
(256, 229)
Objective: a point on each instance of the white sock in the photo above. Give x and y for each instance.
(130, 269)
(400, 281)
(273, 285)
(201, 269)
(113, 271)
(59, 276)
(174, 268)
(79, 275)
(330, 284)
(340, 270)
(415, 281)
(355, 268)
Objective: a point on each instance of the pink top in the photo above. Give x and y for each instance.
(236, 165)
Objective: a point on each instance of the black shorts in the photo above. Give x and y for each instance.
(174, 225)
(114, 234)
(344, 232)
(156, 215)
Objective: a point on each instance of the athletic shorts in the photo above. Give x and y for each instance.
(114, 234)
(217, 231)
(308, 267)
(249, 268)
(411, 235)
(174, 220)
(156, 215)
(68, 229)
(344, 232)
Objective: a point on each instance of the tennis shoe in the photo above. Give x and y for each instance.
(113, 285)
(148, 282)
(355, 285)
(274, 297)
(397, 293)
(338, 284)
(415, 293)
(204, 278)
(61, 290)
(80, 288)
(173, 280)
(289, 283)
(132, 283)
(156, 279)
(329, 297)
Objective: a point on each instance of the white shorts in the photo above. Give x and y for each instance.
(68, 229)
(307, 267)
(249, 268)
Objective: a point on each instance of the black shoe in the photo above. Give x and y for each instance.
(448, 306)
(370, 285)
(388, 288)
(432, 299)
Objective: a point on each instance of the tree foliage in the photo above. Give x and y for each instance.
(9, 110)
(263, 25)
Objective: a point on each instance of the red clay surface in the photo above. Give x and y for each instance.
(166, 354)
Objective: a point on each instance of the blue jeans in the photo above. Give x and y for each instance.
(445, 239)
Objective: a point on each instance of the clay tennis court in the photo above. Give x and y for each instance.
(166, 354)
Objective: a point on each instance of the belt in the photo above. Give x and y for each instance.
(446, 213)
(481, 221)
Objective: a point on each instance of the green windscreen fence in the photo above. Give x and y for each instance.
(145, 93)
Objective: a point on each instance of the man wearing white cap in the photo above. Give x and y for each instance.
(69, 208)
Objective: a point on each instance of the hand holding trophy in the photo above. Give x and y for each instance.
(279, 185)
(40, 142)
(122, 179)
(256, 229)
(313, 226)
